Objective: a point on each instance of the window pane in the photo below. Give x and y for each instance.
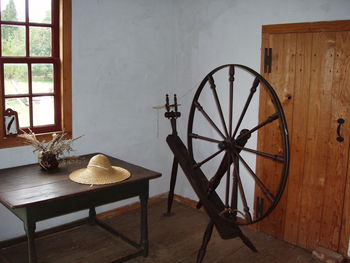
(16, 79)
(43, 110)
(40, 11)
(42, 78)
(21, 105)
(40, 41)
(13, 10)
(13, 40)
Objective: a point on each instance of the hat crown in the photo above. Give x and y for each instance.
(100, 161)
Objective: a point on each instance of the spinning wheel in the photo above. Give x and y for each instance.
(231, 139)
(222, 139)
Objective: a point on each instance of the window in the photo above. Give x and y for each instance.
(35, 60)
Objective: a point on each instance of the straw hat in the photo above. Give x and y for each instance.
(99, 171)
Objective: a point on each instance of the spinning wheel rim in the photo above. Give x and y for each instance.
(232, 141)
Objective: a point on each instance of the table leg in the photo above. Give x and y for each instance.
(172, 186)
(144, 224)
(92, 215)
(29, 227)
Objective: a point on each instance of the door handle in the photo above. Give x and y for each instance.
(340, 122)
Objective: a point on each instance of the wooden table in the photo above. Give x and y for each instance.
(34, 195)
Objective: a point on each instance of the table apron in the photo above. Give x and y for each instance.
(42, 211)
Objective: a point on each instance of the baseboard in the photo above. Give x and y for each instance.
(186, 201)
(133, 206)
(155, 199)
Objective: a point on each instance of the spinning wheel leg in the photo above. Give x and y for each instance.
(246, 241)
(206, 238)
(172, 186)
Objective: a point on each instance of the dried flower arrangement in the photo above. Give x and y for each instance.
(51, 151)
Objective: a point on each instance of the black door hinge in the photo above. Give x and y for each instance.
(268, 60)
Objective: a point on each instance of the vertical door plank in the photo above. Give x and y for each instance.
(317, 148)
(345, 228)
(338, 153)
(301, 100)
(336, 218)
(282, 80)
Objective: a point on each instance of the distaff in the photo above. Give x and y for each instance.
(172, 115)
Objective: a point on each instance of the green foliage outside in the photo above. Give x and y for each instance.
(10, 12)
(13, 44)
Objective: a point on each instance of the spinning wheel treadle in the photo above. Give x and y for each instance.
(233, 150)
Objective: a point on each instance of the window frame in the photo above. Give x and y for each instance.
(64, 75)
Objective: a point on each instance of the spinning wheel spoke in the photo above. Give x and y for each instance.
(227, 196)
(231, 80)
(249, 99)
(241, 190)
(200, 108)
(217, 102)
(234, 196)
(274, 157)
(270, 119)
(257, 180)
(207, 159)
(200, 137)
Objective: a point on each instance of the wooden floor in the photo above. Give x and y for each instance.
(173, 239)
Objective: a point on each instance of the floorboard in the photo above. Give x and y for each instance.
(173, 239)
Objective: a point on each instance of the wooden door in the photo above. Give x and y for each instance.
(310, 72)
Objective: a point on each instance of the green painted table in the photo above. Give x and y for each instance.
(34, 195)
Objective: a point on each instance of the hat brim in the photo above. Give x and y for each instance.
(92, 175)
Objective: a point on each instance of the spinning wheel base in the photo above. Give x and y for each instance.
(226, 229)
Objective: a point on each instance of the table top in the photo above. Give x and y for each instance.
(28, 185)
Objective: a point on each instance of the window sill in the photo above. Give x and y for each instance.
(8, 142)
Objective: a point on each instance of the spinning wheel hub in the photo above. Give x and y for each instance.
(235, 146)
(227, 144)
